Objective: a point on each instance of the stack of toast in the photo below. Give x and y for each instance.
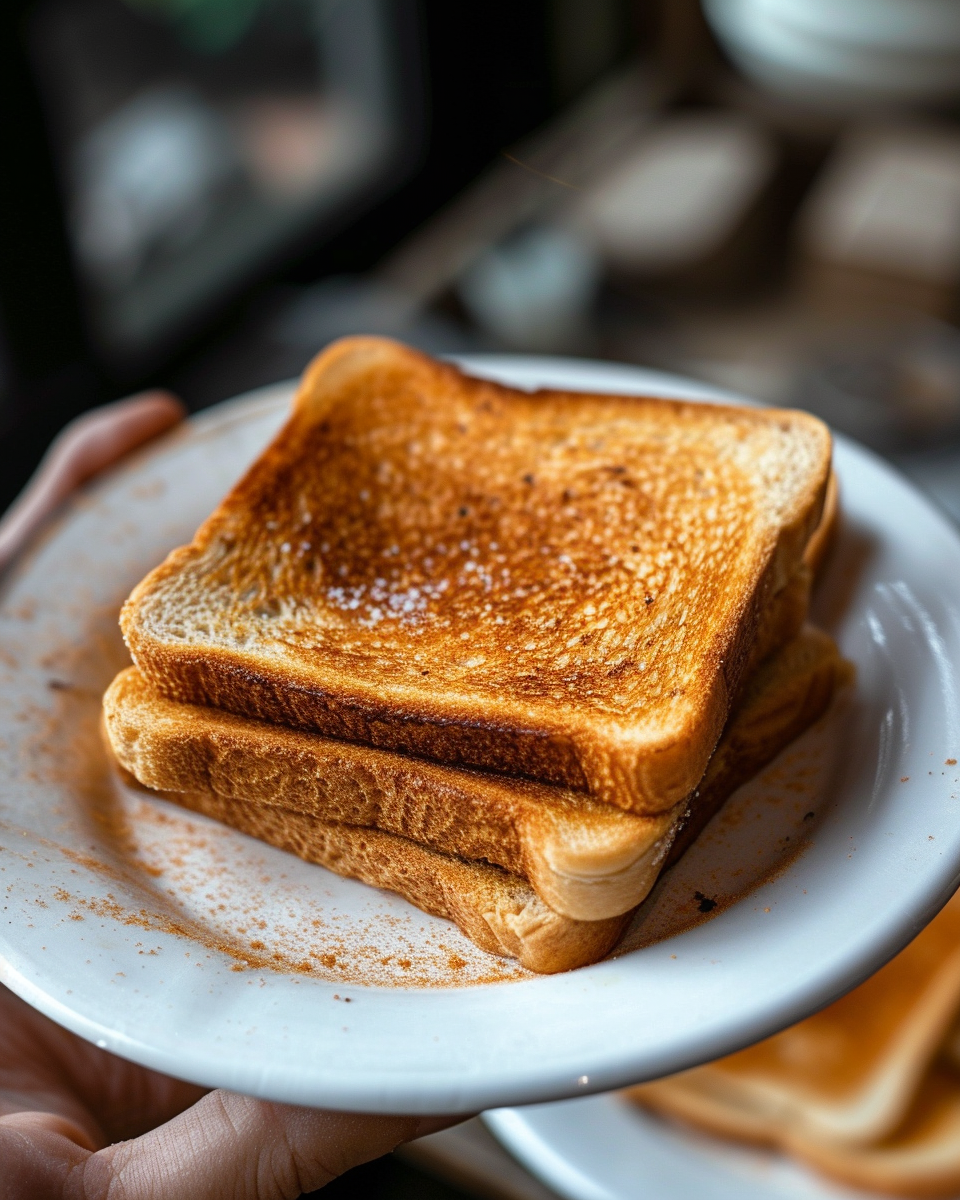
(867, 1091)
(502, 652)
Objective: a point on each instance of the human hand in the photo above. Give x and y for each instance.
(79, 1123)
(67, 1108)
(85, 447)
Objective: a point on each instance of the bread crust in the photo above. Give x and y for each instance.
(498, 911)
(856, 1090)
(667, 528)
(585, 859)
(921, 1158)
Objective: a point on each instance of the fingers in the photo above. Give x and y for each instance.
(227, 1147)
(37, 1125)
(86, 446)
(230, 1147)
(45, 1069)
(102, 436)
(38, 1155)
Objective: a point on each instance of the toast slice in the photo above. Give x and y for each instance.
(585, 859)
(553, 585)
(825, 535)
(498, 911)
(846, 1077)
(920, 1158)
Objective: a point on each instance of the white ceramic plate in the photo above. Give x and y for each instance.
(604, 1148)
(185, 946)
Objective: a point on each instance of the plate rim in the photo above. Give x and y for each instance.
(519, 1133)
(430, 1093)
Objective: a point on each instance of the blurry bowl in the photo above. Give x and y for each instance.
(851, 54)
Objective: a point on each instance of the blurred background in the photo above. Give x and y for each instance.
(764, 194)
(760, 193)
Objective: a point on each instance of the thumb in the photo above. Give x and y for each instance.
(231, 1147)
(87, 445)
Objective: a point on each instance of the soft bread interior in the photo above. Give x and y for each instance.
(585, 859)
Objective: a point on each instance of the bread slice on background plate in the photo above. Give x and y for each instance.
(921, 1157)
(849, 1079)
(553, 585)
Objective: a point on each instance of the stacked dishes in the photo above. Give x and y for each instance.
(855, 53)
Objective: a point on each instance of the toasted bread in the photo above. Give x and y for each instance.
(823, 537)
(498, 911)
(782, 698)
(920, 1158)
(587, 860)
(552, 585)
(845, 1077)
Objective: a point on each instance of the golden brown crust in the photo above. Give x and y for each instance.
(782, 698)
(585, 859)
(779, 623)
(553, 836)
(553, 585)
(823, 537)
(498, 911)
